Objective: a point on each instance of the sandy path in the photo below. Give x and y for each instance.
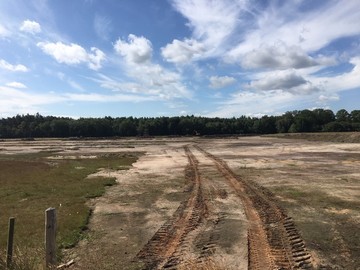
(162, 250)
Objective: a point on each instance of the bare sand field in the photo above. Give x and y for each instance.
(225, 203)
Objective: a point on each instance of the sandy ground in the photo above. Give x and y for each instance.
(318, 183)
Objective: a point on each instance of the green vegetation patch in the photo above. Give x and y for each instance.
(31, 183)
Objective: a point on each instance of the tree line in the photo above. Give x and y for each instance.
(317, 120)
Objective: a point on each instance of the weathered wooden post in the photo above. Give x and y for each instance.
(50, 237)
(10, 243)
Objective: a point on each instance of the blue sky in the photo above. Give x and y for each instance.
(225, 58)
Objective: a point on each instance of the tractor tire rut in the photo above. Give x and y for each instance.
(164, 249)
(273, 240)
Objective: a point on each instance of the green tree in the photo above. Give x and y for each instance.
(127, 127)
(342, 116)
(59, 128)
(322, 117)
(265, 125)
(284, 122)
(355, 116)
(304, 121)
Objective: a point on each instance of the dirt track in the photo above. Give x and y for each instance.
(164, 249)
(273, 241)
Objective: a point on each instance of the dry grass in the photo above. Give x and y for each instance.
(98, 263)
(23, 259)
(30, 184)
(208, 263)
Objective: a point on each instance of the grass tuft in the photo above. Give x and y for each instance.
(24, 259)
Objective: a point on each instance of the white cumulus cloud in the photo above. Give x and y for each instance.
(96, 58)
(136, 49)
(217, 82)
(16, 85)
(30, 27)
(73, 54)
(182, 52)
(7, 66)
(146, 77)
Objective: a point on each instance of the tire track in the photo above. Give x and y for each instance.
(273, 240)
(163, 249)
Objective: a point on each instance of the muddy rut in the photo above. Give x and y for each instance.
(273, 240)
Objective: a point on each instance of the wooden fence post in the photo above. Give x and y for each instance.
(50, 237)
(10, 243)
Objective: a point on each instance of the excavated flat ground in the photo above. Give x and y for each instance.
(226, 203)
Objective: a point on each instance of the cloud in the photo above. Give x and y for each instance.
(68, 80)
(14, 101)
(324, 99)
(96, 58)
(146, 77)
(217, 82)
(94, 97)
(31, 27)
(346, 81)
(212, 21)
(310, 30)
(73, 54)
(156, 80)
(254, 103)
(280, 91)
(288, 81)
(75, 85)
(136, 50)
(264, 35)
(102, 26)
(278, 56)
(16, 85)
(182, 52)
(3, 31)
(117, 86)
(7, 66)
(279, 80)
(149, 80)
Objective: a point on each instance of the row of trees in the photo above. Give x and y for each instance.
(28, 126)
